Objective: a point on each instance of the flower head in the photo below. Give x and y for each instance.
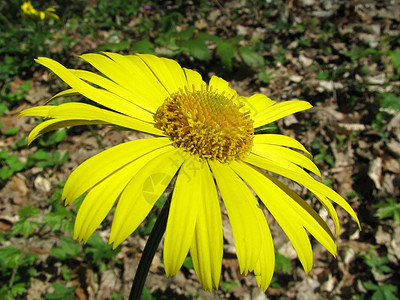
(204, 135)
(30, 12)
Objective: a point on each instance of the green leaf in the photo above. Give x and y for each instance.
(14, 163)
(146, 294)
(41, 154)
(41, 158)
(58, 253)
(61, 292)
(370, 286)
(197, 48)
(114, 47)
(100, 248)
(377, 264)
(226, 52)
(382, 292)
(24, 227)
(209, 37)
(388, 290)
(329, 160)
(170, 21)
(63, 159)
(69, 248)
(27, 260)
(9, 257)
(388, 209)
(26, 86)
(235, 39)
(57, 220)
(5, 173)
(21, 142)
(395, 55)
(390, 100)
(3, 154)
(282, 263)
(251, 58)
(18, 289)
(161, 201)
(188, 263)
(151, 220)
(186, 34)
(227, 286)
(5, 292)
(28, 211)
(3, 108)
(317, 144)
(143, 46)
(54, 138)
(323, 75)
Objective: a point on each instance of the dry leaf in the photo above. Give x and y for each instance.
(375, 172)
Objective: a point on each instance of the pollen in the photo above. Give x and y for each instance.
(206, 123)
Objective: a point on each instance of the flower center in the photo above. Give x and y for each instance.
(207, 124)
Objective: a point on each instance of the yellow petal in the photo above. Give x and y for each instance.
(194, 80)
(280, 140)
(256, 104)
(85, 112)
(207, 246)
(100, 96)
(298, 175)
(265, 266)
(279, 111)
(291, 201)
(242, 207)
(186, 199)
(330, 209)
(279, 153)
(285, 163)
(66, 93)
(285, 167)
(139, 197)
(101, 198)
(131, 73)
(137, 77)
(168, 72)
(100, 166)
(221, 86)
(101, 81)
(54, 16)
(39, 111)
(287, 217)
(53, 124)
(312, 222)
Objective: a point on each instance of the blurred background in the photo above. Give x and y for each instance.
(342, 56)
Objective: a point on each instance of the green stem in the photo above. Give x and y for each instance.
(96, 137)
(149, 251)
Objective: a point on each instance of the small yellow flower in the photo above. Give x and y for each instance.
(30, 12)
(203, 135)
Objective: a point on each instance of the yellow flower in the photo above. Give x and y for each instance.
(204, 134)
(29, 11)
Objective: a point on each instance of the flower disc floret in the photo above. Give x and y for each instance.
(206, 123)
